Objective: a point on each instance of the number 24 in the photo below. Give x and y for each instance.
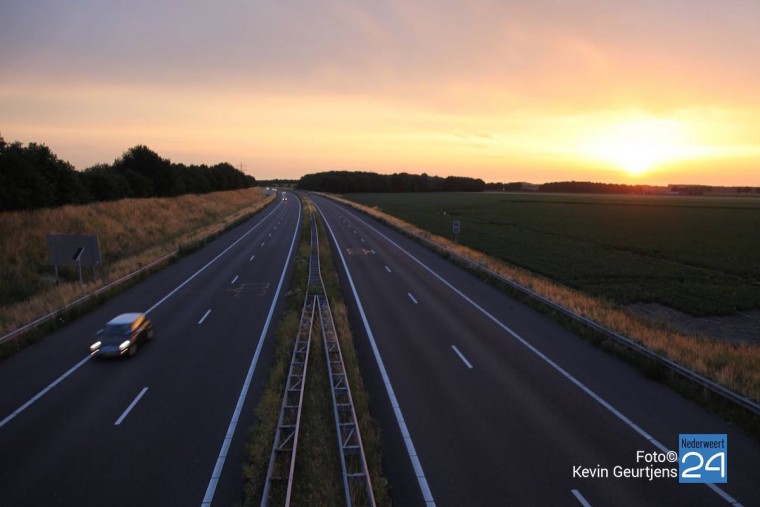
(687, 474)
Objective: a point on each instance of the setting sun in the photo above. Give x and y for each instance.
(639, 145)
(634, 156)
(504, 91)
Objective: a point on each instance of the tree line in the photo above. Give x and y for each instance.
(344, 182)
(588, 187)
(34, 177)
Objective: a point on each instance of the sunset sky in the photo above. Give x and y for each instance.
(632, 91)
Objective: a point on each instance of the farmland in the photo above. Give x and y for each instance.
(698, 255)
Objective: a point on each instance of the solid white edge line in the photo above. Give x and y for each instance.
(44, 391)
(234, 279)
(725, 496)
(411, 297)
(217, 472)
(204, 317)
(728, 498)
(461, 356)
(411, 451)
(579, 497)
(130, 407)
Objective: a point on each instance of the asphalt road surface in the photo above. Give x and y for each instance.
(483, 401)
(166, 427)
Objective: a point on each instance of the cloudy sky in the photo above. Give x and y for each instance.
(649, 91)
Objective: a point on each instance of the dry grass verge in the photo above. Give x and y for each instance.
(735, 366)
(131, 232)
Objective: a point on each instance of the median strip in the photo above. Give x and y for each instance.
(427, 495)
(317, 470)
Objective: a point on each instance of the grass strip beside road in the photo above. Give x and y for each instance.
(317, 473)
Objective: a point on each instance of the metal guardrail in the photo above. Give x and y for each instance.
(626, 342)
(692, 376)
(45, 318)
(49, 316)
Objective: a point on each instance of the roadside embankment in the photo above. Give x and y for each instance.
(132, 233)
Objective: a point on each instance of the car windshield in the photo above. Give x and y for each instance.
(116, 330)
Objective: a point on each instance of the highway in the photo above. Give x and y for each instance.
(483, 401)
(166, 427)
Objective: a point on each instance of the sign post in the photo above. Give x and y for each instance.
(78, 259)
(73, 249)
(455, 228)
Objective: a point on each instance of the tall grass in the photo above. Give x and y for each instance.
(735, 366)
(131, 234)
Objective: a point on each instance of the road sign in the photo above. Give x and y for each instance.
(73, 249)
(456, 226)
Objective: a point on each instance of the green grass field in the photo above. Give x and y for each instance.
(699, 255)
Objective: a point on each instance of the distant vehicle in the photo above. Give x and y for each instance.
(122, 335)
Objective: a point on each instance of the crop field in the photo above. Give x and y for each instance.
(699, 255)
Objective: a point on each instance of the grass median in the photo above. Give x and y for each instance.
(317, 478)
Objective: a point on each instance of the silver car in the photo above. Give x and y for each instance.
(122, 335)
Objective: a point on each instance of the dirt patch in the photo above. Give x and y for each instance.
(743, 327)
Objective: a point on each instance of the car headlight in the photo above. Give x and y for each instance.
(124, 345)
(95, 346)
